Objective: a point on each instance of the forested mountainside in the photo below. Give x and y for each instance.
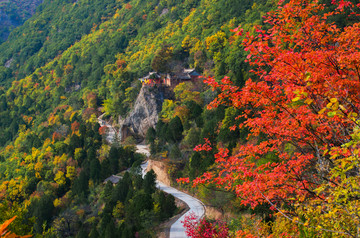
(73, 61)
(15, 13)
(115, 52)
(269, 144)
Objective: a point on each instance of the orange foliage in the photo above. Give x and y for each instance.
(303, 103)
(68, 68)
(91, 99)
(56, 136)
(4, 233)
(27, 119)
(121, 63)
(128, 6)
(87, 113)
(59, 108)
(102, 130)
(75, 126)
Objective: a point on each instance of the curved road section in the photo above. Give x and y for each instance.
(197, 207)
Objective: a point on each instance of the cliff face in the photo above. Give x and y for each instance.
(144, 114)
(160, 170)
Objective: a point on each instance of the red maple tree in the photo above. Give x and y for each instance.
(303, 102)
(203, 228)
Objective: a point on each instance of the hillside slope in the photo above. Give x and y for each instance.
(74, 60)
(14, 13)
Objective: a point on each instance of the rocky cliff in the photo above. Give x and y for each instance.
(144, 114)
(160, 169)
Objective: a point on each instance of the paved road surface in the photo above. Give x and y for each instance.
(177, 230)
(143, 149)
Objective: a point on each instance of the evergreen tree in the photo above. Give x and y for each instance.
(150, 135)
(106, 170)
(81, 185)
(107, 193)
(127, 232)
(167, 204)
(95, 169)
(94, 233)
(120, 191)
(175, 129)
(42, 209)
(110, 231)
(114, 156)
(105, 220)
(82, 233)
(141, 201)
(175, 152)
(149, 183)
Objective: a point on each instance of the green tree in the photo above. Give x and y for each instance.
(175, 152)
(149, 183)
(94, 233)
(160, 62)
(107, 193)
(121, 189)
(82, 233)
(150, 135)
(141, 201)
(226, 134)
(106, 169)
(43, 210)
(167, 111)
(81, 185)
(110, 231)
(114, 155)
(184, 92)
(175, 129)
(192, 137)
(95, 169)
(166, 203)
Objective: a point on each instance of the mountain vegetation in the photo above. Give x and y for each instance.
(301, 111)
(270, 137)
(15, 13)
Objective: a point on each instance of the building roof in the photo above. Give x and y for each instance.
(151, 75)
(187, 73)
(113, 178)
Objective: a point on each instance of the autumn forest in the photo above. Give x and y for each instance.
(251, 106)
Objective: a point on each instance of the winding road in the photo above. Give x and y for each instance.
(195, 206)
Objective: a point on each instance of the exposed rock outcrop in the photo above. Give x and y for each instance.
(144, 114)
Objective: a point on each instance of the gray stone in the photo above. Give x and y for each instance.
(144, 114)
